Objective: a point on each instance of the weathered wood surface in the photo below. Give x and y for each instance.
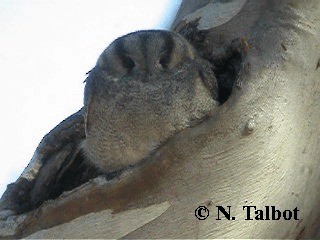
(260, 148)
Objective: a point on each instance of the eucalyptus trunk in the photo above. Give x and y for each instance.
(260, 148)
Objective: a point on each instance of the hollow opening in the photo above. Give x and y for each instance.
(77, 172)
(226, 69)
(226, 66)
(226, 60)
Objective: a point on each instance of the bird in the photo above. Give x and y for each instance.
(145, 87)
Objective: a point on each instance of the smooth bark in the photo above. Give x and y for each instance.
(261, 148)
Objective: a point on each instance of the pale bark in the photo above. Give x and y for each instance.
(261, 148)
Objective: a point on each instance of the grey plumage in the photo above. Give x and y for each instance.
(145, 87)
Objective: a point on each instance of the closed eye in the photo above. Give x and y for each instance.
(127, 63)
(165, 60)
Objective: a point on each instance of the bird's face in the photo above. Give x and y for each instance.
(145, 53)
(145, 87)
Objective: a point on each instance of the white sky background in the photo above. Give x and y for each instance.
(46, 47)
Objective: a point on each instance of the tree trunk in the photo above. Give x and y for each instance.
(260, 148)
